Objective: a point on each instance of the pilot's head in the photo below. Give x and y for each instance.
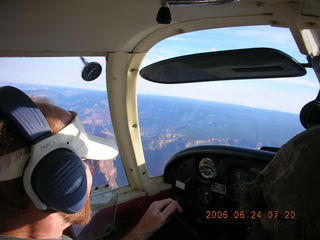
(289, 185)
(42, 148)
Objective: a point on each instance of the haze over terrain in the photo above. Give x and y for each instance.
(170, 124)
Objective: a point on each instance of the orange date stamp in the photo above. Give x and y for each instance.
(250, 215)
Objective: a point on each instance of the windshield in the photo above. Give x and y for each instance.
(244, 113)
(59, 80)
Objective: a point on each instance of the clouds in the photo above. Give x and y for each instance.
(299, 81)
(274, 35)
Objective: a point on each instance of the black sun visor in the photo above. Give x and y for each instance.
(251, 63)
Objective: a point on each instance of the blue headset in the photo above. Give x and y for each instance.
(56, 181)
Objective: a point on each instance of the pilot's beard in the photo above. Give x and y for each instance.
(82, 217)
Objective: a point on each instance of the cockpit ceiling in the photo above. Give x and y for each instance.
(82, 27)
(311, 8)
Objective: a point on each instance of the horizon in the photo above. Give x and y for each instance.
(151, 95)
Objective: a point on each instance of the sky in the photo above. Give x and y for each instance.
(286, 95)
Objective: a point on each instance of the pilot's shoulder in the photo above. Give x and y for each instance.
(305, 139)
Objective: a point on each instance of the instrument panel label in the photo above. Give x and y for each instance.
(219, 188)
(180, 185)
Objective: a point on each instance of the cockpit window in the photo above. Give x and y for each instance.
(59, 80)
(245, 113)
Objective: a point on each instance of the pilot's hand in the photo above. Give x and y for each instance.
(154, 218)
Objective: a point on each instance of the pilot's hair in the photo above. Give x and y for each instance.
(13, 198)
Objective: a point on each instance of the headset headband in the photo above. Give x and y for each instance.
(24, 113)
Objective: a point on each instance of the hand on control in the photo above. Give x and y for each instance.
(153, 219)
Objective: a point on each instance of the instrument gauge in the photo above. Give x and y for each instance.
(207, 168)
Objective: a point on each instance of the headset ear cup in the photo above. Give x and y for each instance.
(60, 181)
(310, 114)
